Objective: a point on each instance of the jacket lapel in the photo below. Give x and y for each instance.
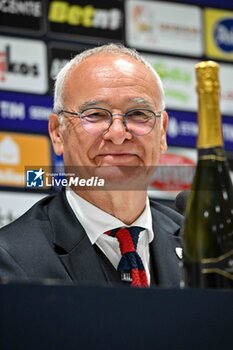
(164, 259)
(72, 245)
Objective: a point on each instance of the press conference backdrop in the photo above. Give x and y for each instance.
(38, 37)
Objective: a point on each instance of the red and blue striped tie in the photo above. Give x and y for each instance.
(130, 266)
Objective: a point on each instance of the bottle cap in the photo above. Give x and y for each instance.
(207, 76)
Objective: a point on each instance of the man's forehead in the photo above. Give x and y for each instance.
(121, 62)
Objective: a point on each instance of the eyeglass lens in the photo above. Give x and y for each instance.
(138, 122)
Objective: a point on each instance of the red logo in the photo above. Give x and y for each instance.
(174, 173)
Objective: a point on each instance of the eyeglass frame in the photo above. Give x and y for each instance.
(111, 115)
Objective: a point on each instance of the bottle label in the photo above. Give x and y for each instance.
(222, 265)
(213, 157)
(213, 154)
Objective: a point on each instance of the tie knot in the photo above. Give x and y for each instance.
(127, 237)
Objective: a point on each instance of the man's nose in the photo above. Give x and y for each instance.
(117, 132)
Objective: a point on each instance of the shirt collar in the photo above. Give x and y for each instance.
(95, 221)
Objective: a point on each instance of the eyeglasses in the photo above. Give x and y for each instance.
(97, 120)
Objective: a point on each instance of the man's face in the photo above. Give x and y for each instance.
(117, 83)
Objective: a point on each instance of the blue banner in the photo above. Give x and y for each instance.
(25, 112)
(212, 3)
(183, 129)
(29, 113)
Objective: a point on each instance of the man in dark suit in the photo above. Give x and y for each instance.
(108, 123)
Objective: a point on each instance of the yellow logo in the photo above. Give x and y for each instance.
(219, 34)
(18, 151)
(85, 16)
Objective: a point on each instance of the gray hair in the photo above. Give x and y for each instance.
(108, 48)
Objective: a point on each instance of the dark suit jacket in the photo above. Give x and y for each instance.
(48, 242)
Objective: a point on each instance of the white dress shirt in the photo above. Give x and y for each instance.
(95, 222)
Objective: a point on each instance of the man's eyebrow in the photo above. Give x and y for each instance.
(141, 101)
(89, 104)
(94, 103)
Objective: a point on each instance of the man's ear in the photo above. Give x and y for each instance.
(55, 134)
(164, 125)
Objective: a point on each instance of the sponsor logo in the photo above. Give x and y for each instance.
(100, 19)
(26, 8)
(219, 33)
(8, 65)
(178, 78)
(20, 71)
(35, 178)
(9, 151)
(186, 128)
(12, 110)
(87, 16)
(183, 129)
(25, 112)
(18, 150)
(223, 35)
(174, 173)
(173, 28)
(21, 15)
